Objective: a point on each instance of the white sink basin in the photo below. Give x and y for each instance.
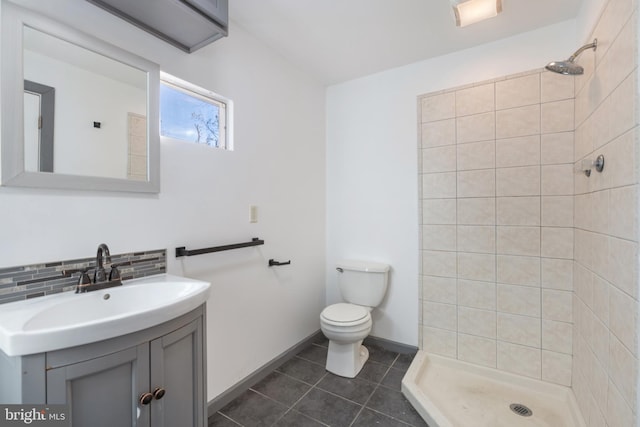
(68, 319)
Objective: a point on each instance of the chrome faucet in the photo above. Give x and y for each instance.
(100, 275)
(100, 280)
(103, 255)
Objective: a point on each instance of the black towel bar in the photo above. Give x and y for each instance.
(182, 251)
(273, 262)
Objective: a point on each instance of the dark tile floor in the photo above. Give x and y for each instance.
(301, 393)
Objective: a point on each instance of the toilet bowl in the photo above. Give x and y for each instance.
(363, 285)
(346, 325)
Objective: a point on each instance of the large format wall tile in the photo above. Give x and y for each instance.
(498, 212)
(518, 92)
(520, 181)
(435, 134)
(478, 350)
(521, 121)
(438, 107)
(475, 100)
(476, 155)
(521, 151)
(555, 87)
(476, 211)
(478, 127)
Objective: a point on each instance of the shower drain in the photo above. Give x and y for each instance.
(521, 409)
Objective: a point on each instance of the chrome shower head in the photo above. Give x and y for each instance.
(569, 67)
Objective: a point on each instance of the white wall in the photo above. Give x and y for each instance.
(82, 97)
(587, 19)
(372, 177)
(254, 312)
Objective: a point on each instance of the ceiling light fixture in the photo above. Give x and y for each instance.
(471, 11)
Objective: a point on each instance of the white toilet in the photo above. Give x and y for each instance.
(363, 286)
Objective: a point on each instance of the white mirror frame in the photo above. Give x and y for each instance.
(13, 172)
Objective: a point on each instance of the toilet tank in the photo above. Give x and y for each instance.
(362, 282)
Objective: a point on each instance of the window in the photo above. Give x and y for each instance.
(191, 113)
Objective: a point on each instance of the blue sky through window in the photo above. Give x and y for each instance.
(186, 117)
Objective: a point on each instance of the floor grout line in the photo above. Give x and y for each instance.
(302, 397)
(230, 419)
(364, 405)
(392, 417)
(383, 370)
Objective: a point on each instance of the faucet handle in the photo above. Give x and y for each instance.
(84, 280)
(114, 274)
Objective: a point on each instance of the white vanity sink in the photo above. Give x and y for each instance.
(69, 319)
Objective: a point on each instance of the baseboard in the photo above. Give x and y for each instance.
(391, 345)
(258, 375)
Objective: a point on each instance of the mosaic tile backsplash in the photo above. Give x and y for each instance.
(36, 280)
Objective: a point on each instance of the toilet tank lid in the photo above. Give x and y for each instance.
(367, 266)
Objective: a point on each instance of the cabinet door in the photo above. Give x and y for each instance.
(103, 392)
(177, 366)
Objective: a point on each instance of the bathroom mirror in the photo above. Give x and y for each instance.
(77, 113)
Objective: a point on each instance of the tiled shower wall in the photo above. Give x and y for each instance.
(497, 224)
(605, 364)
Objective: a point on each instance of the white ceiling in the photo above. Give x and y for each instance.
(338, 40)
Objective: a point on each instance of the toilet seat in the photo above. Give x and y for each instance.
(343, 314)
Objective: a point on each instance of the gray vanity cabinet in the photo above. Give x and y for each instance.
(103, 382)
(103, 392)
(173, 358)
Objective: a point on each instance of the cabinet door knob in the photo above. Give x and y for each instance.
(145, 398)
(158, 393)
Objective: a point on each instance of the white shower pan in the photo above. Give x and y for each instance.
(451, 393)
